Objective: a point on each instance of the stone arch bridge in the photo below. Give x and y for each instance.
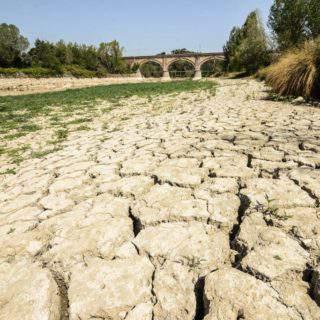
(165, 61)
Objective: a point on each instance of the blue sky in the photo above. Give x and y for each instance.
(141, 26)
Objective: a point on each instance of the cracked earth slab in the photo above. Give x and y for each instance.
(208, 210)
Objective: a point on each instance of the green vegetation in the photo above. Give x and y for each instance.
(72, 110)
(294, 49)
(12, 45)
(247, 48)
(269, 210)
(294, 21)
(47, 59)
(151, 69)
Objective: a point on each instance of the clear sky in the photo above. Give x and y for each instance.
(141, 26)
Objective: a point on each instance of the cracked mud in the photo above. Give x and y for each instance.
(207, 211)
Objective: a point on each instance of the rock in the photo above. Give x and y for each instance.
(28, 292)
(109, 289)
(174, 289)
(298, 101)
(232, 294)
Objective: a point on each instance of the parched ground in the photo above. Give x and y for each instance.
(208, 210)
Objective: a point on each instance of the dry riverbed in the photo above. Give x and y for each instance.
(174, 207)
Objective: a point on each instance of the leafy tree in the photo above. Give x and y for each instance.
(43, 54)
(110, 55)
(151, 69)
(247, 47)
(63, 53)
(181, 51)
(252, 52)
(288, 20)
(12, 45)
(230, 47)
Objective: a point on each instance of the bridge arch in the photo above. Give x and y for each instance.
(184, 67)
(210, 66)
(155, 69)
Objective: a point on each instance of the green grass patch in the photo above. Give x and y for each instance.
(17, 110)
(8, 171)
(80, 120)
(14, 136)
(43, 153)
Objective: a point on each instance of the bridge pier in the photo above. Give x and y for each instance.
(139, 74)
(197, 75)
(166, 75)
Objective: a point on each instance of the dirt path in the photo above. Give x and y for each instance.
(215, 199)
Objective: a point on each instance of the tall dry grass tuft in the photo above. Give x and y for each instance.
(297, 72)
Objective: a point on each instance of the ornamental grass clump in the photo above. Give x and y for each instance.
(297, 72)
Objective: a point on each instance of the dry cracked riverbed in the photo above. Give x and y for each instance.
(209, 211)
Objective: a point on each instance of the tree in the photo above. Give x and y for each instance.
(247, 48)
(252, 53)
(63, 53)
(230, 47)
(288, 20)
(12, 45)
(110, 55)
(44, 54)
(181, 51)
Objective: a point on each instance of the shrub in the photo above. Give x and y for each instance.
(78, 72)
(297, 72)
(35, 72)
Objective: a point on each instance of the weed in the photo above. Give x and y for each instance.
(8, 171)
(30, 127)
(271, 210)
(11, 230)
(41, 154)
(82, 128)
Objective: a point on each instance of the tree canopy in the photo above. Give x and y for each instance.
(247, 47)
(294, 21)
(12, 45)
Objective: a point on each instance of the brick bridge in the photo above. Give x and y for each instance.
(165, 60)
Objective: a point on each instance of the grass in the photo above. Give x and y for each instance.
(17, 110)
(297, 72)
(73, 110)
